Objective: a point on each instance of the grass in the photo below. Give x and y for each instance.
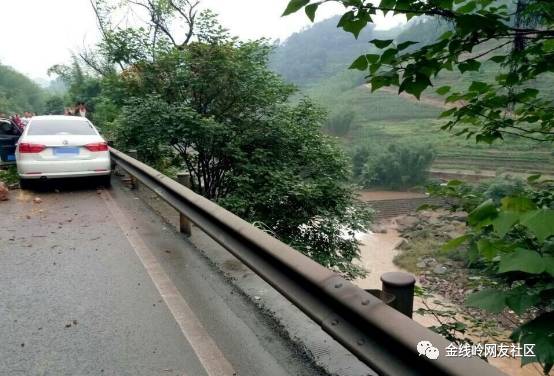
(9, 175)
(415, 251)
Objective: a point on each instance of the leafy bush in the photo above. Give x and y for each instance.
(512, 239)
(398, 166)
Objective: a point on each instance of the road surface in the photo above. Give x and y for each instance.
(94, 283)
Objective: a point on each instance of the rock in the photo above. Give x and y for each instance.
(4, 193)
(429, 261)
(439, 269)
(379, 229)
(434, 221)
(13, 186)
(402, 244)
(421, 265)
(406, 222)
(37, 200)
(460, 216)
(455, 234)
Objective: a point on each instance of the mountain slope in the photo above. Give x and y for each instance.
(18, 93)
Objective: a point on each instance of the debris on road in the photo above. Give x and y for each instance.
(37, 200)
(4, 193)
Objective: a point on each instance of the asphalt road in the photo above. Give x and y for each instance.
(95, 283)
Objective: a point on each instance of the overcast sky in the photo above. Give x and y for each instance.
(36, 34)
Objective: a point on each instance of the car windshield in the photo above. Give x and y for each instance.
(60, 127)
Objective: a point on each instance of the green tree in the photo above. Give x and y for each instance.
(513, 237)
(214, 108)
(398, 167)
(340, 122)
(54, 105)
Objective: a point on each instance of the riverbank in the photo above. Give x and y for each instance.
(381, 250)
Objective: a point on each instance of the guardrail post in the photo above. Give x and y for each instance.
(401, 285)
(133, 154)
(184, 223)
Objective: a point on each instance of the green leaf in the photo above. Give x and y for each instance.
(446, 35)
(360, 63)
(387, 4)
(549, 264)
(540, 222)
(404, 45)
(310, 11)
(486, 138)
(548, 45)
(478, 86)
(469, 65)
(378, 82)
(355, 26)
(533, 178)
(446, 4)
(522, 260)
(520, 301)
(294, 6)
(454, 183)
(482, 214)
(486, 249)
(415, 85)
(443, 90)
(499, 59)
(372, 58)
(504, 222)
(518, 204)
(447, 113)
(467, 8)
(388, 55)
(381, 43)
(455, 243)
(539, 332)
(490, 300)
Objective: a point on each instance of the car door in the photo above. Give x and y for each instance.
(9, 134)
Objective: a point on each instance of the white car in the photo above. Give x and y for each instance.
(54, 147)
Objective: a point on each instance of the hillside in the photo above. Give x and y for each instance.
(18, 93)
(383, 117)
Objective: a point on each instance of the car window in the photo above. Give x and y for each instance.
(60, 127)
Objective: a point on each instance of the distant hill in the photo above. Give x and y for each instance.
(19, 93)
(317, 61)
(318, 52)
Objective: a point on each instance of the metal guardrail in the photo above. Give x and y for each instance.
(378, 335)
